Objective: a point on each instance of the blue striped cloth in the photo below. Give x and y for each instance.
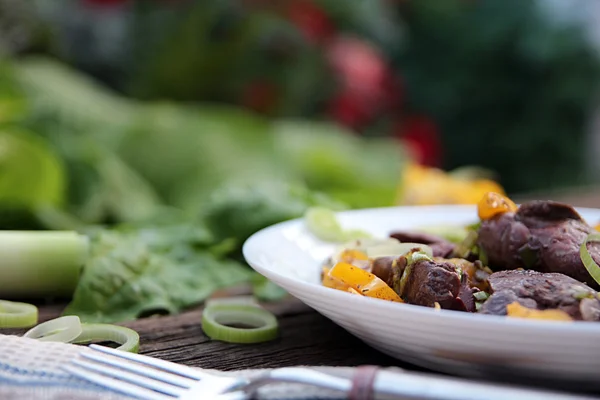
(31, 369)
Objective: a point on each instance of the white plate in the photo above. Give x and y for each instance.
(449, 341)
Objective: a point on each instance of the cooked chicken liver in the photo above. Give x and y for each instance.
(440, 246)
(542, 235)
(542, 291)
(431, 282)
(465, 299)
(389, 269)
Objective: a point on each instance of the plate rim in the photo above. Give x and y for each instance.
(252, 244)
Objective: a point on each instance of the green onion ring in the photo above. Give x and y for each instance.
(259, 325)
(587, 259)
(62, 329)
(17, 315)
(128, 339)
(481, 296)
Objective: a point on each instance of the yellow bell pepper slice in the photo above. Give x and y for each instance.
(493, 204)
(350, 290)
(331, 282)
(350, 255)
(518, 311)
(363, 282)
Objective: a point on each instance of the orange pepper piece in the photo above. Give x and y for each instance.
(363, 282)
(350, 290)
(331, 282)
(518, 311)
(493, 204)
(349, 255)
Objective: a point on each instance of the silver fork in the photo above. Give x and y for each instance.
(153, 379)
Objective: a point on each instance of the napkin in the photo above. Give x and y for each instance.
(30, 369)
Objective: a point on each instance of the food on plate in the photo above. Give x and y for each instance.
(360, 281)
(518, 311)
(541, 235)
(542, 291)
(441, 247)
(534, 261)
(426, 282)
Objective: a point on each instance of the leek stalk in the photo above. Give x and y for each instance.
(36, 264)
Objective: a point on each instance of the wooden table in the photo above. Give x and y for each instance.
(306, 338)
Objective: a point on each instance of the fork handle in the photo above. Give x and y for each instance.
(299, 375)
(408, 386)
(418, 386)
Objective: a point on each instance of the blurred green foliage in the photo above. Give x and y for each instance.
(511, 90)
(124, 160)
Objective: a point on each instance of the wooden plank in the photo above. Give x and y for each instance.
(306, 338)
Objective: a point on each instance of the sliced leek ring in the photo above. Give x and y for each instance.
(239, 323)
(17, 315)
(128, 339)
(62, 329)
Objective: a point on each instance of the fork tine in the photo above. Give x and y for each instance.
(140, 369)
(154, 362)
(129, 377)
(119, 386)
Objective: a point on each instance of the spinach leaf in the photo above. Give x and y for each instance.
(134, 274)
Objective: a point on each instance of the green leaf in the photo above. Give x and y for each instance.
(31, 175)
(239, 210)
(139, 273)
(54, 87)
(359, 171)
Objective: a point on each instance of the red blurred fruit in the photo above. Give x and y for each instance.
(362, 70)
(420, 135)
(350, 110)
(311, 20)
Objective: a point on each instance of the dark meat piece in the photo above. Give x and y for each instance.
(502, 238)
(541, 291)
(465, 297)
(430, 282)
(417, 237)
(389, 269)
(542, 235)
(440, 246)
(477, 275)
(545, 213)
(442, 249)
